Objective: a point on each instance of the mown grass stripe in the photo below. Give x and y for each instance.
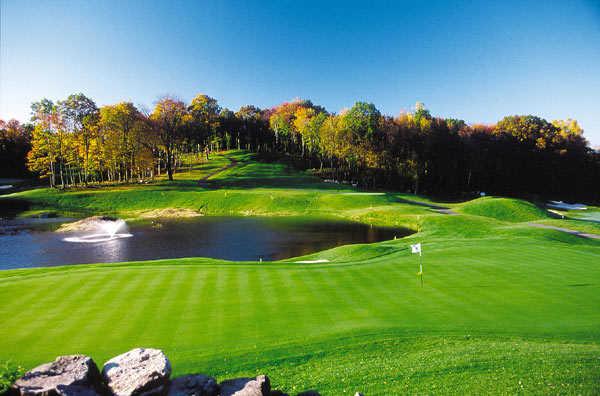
(502, 302)
(140, 306)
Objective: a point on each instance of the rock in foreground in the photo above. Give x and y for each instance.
(259, 386)
(194, 385)
(137, 372)
(73, 375)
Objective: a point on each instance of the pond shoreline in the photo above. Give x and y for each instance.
(234, 238)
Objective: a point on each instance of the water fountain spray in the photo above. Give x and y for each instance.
(103, 231)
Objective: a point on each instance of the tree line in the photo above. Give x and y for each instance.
(73, 142)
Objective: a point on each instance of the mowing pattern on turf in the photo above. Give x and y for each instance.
(505, 307)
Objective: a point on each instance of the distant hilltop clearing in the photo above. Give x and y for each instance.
(72, 142)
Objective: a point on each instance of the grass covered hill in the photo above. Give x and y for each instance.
(504, 209)
(506, 308)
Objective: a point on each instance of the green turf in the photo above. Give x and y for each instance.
(506, 308)
(241, 192)
(505, 209)
(9, 373)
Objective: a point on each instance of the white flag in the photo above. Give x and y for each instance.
(416, 248)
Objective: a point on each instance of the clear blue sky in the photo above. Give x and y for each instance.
(472, 60)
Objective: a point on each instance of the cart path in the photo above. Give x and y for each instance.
(204, 182)
(567, 230)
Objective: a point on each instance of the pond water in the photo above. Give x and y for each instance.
(229, 238)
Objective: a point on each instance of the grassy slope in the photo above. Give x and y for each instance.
(251, 188)
(506, 308)
(504, 209)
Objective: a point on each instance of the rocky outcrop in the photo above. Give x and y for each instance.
(259, 386)
(194, 385)
(73, 375)
(137, 372)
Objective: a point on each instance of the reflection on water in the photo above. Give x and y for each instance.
(229, 238)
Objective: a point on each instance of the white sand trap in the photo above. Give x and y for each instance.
(365, 193)
(312, 261)
(566, 206)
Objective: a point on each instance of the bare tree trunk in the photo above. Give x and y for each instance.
(469, 180)
(86, 164)
(62, 178)
(52, 176)
(169, 164)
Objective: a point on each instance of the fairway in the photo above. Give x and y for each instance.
(505, 307)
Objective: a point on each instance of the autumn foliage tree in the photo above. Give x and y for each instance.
(73, 142)
(80, 116)
(170, 117)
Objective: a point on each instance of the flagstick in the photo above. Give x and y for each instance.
(416, 248)
(421, 268)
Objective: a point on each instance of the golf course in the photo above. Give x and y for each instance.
(509, 302)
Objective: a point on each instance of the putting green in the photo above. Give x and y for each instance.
(505, 307)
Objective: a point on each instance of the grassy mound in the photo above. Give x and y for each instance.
(504, 209)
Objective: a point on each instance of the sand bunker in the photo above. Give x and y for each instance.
(169, 213)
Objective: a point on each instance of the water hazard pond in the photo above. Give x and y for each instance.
(229, 238)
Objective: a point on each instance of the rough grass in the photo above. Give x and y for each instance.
(505, 308)
(9, 373)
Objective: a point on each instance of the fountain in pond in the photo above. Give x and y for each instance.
(102, 230)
